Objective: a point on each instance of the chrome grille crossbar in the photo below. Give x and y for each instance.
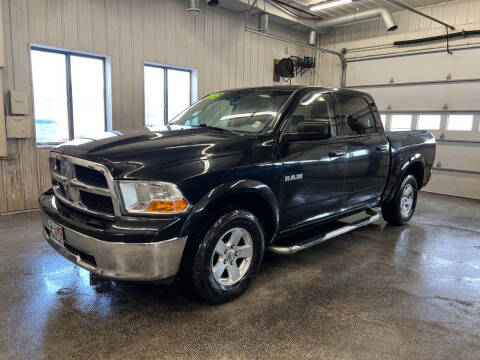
(68, 188)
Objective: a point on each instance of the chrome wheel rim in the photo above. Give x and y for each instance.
(232, 256)
(406, 201)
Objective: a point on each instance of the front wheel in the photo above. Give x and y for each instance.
(401, 208)
(228, 257)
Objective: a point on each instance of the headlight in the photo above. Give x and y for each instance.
(152, 198)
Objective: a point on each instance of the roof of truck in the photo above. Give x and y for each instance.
(298, 87)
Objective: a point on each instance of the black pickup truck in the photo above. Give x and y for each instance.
(238, 173)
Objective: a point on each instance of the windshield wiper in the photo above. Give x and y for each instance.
(212, 127)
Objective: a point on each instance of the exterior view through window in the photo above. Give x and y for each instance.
(168, 91)
(68, 94)
(460, 122)
(429, 122)
(401, 123)
(241, 111)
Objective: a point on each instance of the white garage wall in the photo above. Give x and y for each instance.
(130, 32)
(419, 73)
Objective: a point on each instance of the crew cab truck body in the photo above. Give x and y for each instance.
(229, 178)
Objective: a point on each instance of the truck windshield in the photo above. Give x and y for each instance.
(242, 111)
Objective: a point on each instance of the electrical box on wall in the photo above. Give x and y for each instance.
(19, 127)
(19, 102)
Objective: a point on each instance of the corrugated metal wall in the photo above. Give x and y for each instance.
(130, 32)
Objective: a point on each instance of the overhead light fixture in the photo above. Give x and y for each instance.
(329, 4)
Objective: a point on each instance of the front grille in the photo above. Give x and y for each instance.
(96, 202)
(83, 185)
(90, 176)
(61, 189)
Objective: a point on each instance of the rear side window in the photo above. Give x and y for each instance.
(357, 116)
(313, 106)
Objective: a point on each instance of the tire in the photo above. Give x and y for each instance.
(401, 208)
(234, 242)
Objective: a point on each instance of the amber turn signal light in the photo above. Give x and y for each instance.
(167, 206)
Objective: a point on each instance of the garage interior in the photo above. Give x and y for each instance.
(405, 292)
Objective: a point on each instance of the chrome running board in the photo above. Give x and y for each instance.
(305, 244)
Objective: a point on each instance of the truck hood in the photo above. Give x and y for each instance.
(145, 153)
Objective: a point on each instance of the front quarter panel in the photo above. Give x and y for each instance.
(218, 195)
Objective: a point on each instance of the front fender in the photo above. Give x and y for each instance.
(223, 191)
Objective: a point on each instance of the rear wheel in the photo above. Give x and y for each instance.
(228, 257)
(401, 208)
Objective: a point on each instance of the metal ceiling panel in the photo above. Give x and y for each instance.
(365, 5)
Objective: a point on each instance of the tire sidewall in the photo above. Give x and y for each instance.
(207, 287)
(410, 179)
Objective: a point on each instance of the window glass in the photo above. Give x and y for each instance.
(57, 114)
(243, 111)
(384, 120)
(178, 92)
(357, 116)
(161, 107)
(401, 123)
(429, 122)
(460, 122)
(154, 95)
(88, 99)
(49, 77)
(314, 106)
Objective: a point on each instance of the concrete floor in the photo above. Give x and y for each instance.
(381, 292)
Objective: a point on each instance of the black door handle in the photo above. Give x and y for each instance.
(336, 153)
(381, 148)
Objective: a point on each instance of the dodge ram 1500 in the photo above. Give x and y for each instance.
(238, 173)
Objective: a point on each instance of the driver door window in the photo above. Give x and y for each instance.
(314, 106)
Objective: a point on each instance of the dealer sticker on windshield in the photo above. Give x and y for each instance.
(56, 232)
(213, 96)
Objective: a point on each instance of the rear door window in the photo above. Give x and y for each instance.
(357, 116)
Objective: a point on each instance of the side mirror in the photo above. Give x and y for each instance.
(310, 130)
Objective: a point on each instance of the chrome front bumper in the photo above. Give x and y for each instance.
(118, 260)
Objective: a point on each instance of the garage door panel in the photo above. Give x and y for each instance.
(459, 157)
(435, 82)
(433, 97)
(455, 184)
(462, 64)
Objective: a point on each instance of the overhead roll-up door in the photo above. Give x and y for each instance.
(433, 83)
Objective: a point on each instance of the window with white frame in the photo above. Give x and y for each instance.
(168, 91)
(429, 122)
(458, 122)
(68, 94)
(401, 122)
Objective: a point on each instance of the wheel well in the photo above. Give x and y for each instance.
(257, 205)
(417, 170)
